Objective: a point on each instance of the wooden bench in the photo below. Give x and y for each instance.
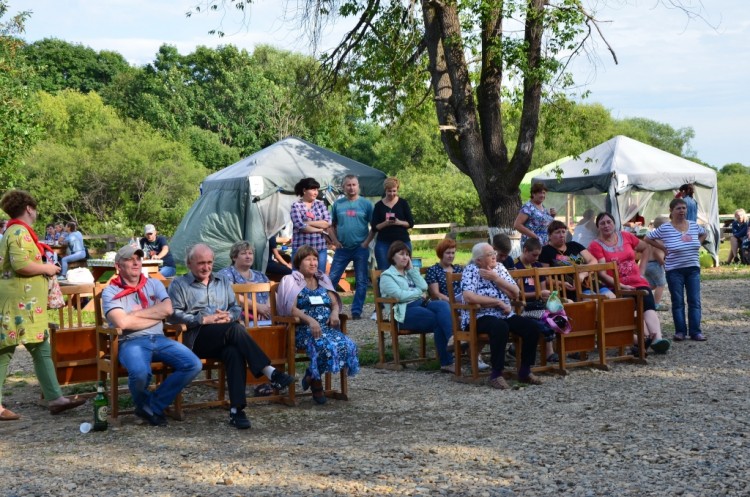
(110, 371)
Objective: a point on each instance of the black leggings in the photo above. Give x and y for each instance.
(497, 329)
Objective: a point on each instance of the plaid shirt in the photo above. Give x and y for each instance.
(300, 217)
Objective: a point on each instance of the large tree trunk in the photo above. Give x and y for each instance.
(471, 124)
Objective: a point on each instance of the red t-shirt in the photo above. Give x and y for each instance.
(624, 255)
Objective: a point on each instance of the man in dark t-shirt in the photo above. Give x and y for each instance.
(155, 246)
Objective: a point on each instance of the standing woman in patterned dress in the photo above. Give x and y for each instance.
(23, 301)
(308, 294)
(311, 220)
(533, 219)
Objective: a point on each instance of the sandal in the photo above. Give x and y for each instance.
(499, 383)
(531, 380)
(317, 392)
(8, 415)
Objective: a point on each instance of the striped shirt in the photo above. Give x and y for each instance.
(682, 248)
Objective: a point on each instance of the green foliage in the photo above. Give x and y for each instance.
(110, 175)
(660, 135)
(446, 196)
(18, 127)
(61, 65)
(734, 188)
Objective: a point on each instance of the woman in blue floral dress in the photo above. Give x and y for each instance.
(533, 219)
(309, 295)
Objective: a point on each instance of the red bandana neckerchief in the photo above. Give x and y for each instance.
(127, 290)
(42, 247)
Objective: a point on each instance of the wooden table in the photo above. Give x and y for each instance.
(100, 266)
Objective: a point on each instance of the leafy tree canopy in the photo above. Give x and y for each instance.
(18, 127)
(108, 174)
(61, 65)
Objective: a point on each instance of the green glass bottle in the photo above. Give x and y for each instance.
(101, 408)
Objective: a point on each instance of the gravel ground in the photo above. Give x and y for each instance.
(675, 427)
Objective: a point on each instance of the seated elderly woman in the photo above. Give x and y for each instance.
(242, 255)
(487, 283)
(403, 282)
(437, 279)
(308, 294)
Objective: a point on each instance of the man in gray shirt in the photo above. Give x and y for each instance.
(205, 302)
(138, 305)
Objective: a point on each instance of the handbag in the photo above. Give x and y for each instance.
(55, 298)
(554, 304)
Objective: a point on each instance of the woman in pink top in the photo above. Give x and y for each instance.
(620, 247)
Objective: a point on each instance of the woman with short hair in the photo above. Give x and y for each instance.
(310, 220)
(308, 294)
(533, 219)
(391, 220)
(403, 282)
(242, 255)
(24, 287)
(487, 283)
(681, 240)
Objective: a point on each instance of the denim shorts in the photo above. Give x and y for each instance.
(655, 274)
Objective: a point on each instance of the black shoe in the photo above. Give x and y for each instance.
(356, 317)
(280, 380)
(153, 419)
(239, 420)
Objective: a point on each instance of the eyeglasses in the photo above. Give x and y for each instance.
(490, 254)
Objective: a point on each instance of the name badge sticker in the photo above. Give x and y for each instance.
(316, 300)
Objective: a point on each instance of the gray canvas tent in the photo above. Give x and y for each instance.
(624, 176)
(251, 199)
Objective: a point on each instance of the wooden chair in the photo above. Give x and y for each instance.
(469, 336)
(73, 340)
(556, 277)
(110, 371)
(388, 326)
(620, 318)
(276, 340)
(582, 338)
(300, 355)
(520, 276)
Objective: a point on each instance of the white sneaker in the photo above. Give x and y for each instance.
(449, 345)
(481, 365)
(374, 316)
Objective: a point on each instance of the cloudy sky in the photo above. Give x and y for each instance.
(672, 68)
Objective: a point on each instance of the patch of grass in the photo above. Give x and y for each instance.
(731, 272)
(368, 354)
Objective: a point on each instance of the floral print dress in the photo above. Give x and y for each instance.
(23, 299)
(333, 349)
(538, 220)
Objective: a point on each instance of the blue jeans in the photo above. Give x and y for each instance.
(168, 271)
(341, 258)
(682, 281)
(381, 253)
(136, 355)
(435, 318)
(71, 258)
